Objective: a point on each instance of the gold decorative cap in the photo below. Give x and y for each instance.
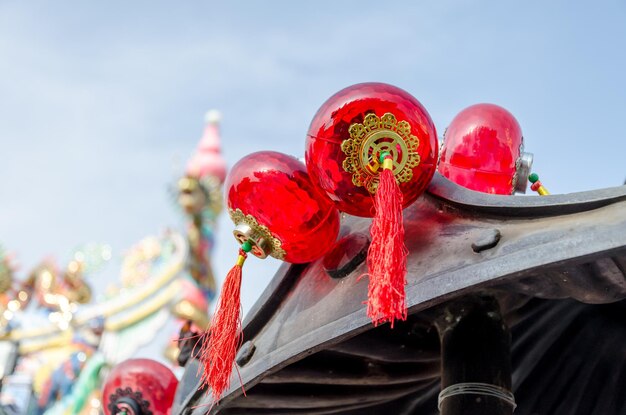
(259, 236)
(372, 137)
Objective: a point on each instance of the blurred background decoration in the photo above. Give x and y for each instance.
(58, 340)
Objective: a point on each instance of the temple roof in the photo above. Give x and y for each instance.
(556, 264)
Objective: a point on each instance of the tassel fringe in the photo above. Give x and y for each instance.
(217, 355)
(387, 254)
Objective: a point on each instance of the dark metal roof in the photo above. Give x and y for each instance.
(552, 262)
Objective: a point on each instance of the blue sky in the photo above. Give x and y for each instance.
(102, 103)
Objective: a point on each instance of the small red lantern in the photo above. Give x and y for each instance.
(279, 212)
(372, 148)
(139, 387)
(276, 208)
(483, 150)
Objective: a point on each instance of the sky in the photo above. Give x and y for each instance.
(102, 103)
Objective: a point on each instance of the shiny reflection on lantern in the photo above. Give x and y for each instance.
(483, 150)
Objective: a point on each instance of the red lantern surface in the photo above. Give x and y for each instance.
(139, 387)
(278, 210)
(483, 151)
(352, 129)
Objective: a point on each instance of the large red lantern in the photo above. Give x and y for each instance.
(277, 211)
(372, 149)
(139, 387)
(350, 131)
(483, 150)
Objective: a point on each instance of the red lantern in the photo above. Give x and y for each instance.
(139, 387)
(483, 150)
(276, 208)
(354, 126)
(279, 212)
(372, 148)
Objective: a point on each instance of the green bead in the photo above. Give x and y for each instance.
(533, 177)
(246, 246)
(383, 155)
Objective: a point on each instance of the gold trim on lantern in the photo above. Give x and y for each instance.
(373, 137)
(260, 233)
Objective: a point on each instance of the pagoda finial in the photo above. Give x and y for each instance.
(207, 160)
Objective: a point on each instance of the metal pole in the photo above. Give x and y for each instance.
(475, 358)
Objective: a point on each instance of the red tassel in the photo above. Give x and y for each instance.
(386, 257)
(224, 337)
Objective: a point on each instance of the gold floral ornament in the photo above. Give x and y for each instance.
(373, 137)
(259, 236)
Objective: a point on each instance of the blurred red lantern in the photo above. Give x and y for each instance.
(483, 150)
(372, 149)
(279, 212)
(139, 387)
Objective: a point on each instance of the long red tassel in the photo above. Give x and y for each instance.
(217, 355)
(387, 254)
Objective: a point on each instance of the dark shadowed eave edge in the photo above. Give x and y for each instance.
(522, 206)
(303, 311)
